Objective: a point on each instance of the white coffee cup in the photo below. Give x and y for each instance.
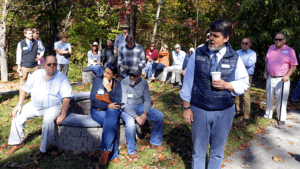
(216, 75)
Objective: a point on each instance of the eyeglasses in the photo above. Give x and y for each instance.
(53, 64)
(152, 46)
(132, 75)
(244, 43)
(177, 48)
(278, 40)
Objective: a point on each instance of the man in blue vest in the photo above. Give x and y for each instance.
(209, 105)
(27, 55)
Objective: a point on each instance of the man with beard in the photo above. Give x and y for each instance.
(137, 108)
(50, 96)
(209, 105)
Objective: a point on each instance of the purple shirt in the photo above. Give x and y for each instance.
(280, 60)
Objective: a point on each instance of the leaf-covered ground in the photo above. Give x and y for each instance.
(176, 136)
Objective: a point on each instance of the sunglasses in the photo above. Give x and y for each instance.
(177, 48)
(53, 64)
(244, 43)
(152, 46)
(278, 40)
(132, 75)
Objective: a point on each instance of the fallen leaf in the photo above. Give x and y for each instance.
(54, 153)
(292, 143)
(244, 157)
(290, 126)
(242, 148)
(91, 153)
(161, 157)
(261, 144)
(30, 146)
(291, 153)
(171, 145)
(223, 165)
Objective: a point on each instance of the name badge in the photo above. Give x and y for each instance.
(285, 52)
(200, 58)
(100, 91)
(130, 95)
(225, 66)
(25, 48)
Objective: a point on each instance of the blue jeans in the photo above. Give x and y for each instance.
(212, 126)
(148, 69)
(130, 127)
(97, 69)
(109, 119)
(157, 66)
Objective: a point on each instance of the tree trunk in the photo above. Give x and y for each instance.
(68, 17)
(3, 56)
(54, 22)
(156, 21)
(197, 24)
(133, 22)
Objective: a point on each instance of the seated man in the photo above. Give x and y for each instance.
(178, 57)
(151, 57)
(50, 96)
(137, 102)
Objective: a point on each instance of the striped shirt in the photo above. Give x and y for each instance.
(46, 94)
(131, 57)
(120, 41)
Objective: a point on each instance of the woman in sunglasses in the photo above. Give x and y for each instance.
(94, 59)
(106, 97)
(162, 60)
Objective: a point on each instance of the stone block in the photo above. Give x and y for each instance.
(76, 132)
(97, 144)
(92, 129)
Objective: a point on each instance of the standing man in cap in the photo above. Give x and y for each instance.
(281, 62)
(209, 105)
(27, 59)
(63, 52)
(186, 60)
(120, 39)
(131, 54)
(243, 102)
(137, 108)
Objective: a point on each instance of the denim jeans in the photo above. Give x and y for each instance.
(109, 119)
(212, 126)
(130, 127)
(97, 69)
(148, 69)
(157, 66)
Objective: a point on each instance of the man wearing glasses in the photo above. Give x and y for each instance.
(137, 108)
(242, 102)
(50, 95)
(281, 62)
(178, 58)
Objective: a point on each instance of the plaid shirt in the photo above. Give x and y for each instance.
(45, 94)
(120, 41)
(131, 57)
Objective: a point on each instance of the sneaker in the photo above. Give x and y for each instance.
(14, 148)
(281, 123)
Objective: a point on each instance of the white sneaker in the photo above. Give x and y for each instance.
(153, 77)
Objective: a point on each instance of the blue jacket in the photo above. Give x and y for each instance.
(204, 95)
(186, 60)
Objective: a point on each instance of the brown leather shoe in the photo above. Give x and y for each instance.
(103, 157)
(14, 148)
(134, 157)
(116, 160)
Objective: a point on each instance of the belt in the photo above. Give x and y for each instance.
(276, 76)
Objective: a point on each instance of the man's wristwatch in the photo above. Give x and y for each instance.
(186, 108)
(19, 104)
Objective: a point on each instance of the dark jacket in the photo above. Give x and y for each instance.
(28, 56)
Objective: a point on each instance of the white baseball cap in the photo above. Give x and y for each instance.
(192, 50)
(95, 44)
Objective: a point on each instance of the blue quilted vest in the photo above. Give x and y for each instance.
(203, 94)
(28, 56)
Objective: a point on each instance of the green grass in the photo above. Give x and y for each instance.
(176, 135)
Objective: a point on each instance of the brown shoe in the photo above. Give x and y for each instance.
(103, 157)
(134, 157)
(116, 160)
(14, 148)
(159, 148)
(39, 155)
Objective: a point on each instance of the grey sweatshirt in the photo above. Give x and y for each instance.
(135, 95)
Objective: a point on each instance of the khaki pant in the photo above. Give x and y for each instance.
(25, 72)
(243, 102)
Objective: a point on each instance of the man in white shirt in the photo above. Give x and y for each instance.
(178, 58)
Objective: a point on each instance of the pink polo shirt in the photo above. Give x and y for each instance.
(280, 60)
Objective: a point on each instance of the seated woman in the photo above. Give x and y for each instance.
(106, 97)
(161, 62)
(151, 57)
(94, 59)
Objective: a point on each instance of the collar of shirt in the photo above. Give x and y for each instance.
(219, 53)
(247, 51)
(28, 41)
(282, 48)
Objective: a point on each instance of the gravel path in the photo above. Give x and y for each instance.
(283, 143)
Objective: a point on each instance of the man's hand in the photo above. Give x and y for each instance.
(188, 116)
(38, 58)
(115, 50)
(144, 116)
(285, 78)
(219, 84)
(16, 110)
(183, 72)
(140, 120)
(60, 118)
(113, 106)
(265, 75)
